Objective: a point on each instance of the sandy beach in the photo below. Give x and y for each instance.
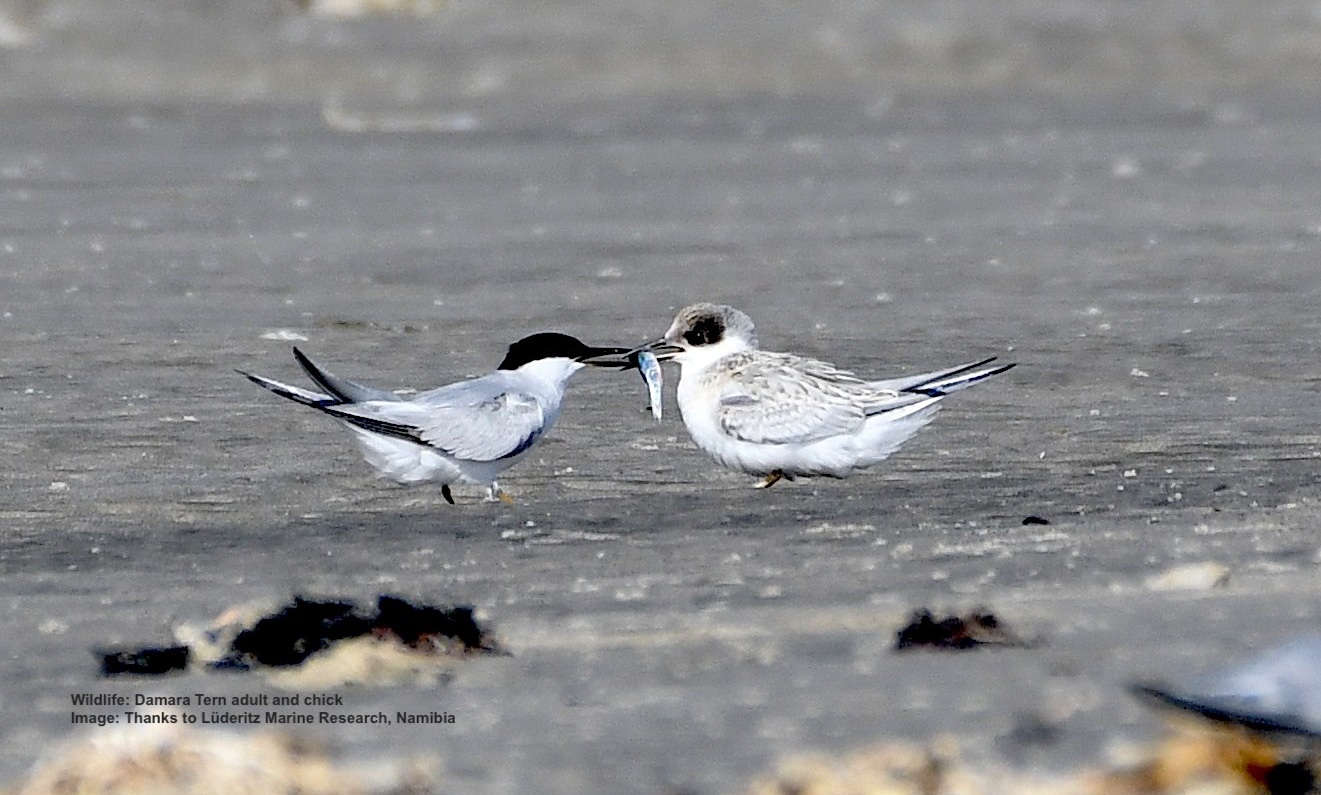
(403, 194)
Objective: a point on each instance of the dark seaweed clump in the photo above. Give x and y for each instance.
(954, 632)
(296, 631)
(150, 660)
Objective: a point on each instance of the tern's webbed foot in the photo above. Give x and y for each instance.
(771, 479)
(445, 492)
(495, 493)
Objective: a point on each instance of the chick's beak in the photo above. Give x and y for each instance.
(608, 357)
(661, 348)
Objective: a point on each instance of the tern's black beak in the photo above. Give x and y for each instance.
(660, 348)
(607, 357)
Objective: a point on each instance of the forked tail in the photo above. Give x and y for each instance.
(308, 398)
(341, 390)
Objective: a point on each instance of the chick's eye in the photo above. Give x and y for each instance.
(703, 332)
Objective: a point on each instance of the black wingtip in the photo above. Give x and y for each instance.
(405, 432)
(948, 382)
(321, 378)
(973, 366)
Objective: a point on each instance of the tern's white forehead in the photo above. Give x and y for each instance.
(709, 324)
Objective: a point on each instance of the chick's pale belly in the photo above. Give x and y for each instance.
(700, 410)
(828, 457)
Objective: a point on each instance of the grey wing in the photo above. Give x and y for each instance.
(498, 426)
(472, 420)
(783, 399)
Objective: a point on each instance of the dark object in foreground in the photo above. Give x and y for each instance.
(151, 660)
(1290, 778)
(300, 630)
(925, 631)
(296, 632)
(1034, 519)
(418, 627)
(289, 636)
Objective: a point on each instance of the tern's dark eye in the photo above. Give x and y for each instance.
(706, 331)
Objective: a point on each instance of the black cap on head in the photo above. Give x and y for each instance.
(553, 345)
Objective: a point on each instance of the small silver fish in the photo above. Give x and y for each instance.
(651, 373)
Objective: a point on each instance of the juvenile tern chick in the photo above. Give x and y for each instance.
(466, 432)
(780, 415)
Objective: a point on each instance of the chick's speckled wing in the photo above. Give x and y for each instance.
(780, 398)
